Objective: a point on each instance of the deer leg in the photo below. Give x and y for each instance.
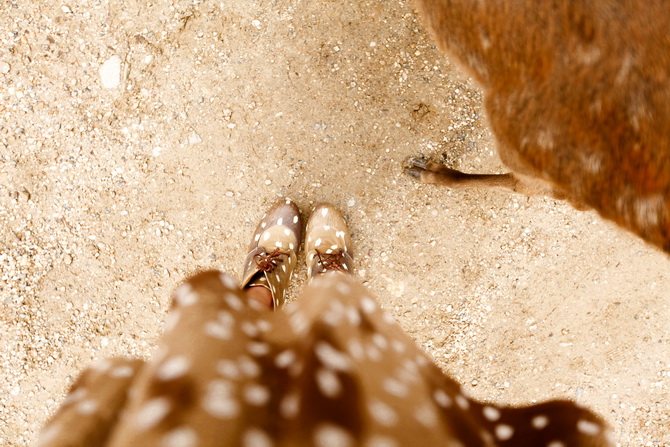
(438, 174)
(428, 171)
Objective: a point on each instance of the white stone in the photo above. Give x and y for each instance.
(194, 138)
(110, 72)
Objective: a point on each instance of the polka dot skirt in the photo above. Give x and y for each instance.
(333, 371)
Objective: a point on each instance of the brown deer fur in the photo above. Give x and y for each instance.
(578, 97)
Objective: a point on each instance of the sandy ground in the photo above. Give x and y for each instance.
(110, 196)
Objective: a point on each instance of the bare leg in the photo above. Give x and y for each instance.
(260, 294)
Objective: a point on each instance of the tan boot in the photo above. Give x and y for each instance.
(328, 245)
(273, 251)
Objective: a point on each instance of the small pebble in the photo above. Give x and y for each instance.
(110, 72)
(194, 138)
(351, 202)
(4, 67)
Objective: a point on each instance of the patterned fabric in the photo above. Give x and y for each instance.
(334, 370)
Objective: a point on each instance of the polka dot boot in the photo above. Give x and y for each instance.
(328, 245)
(273, 251)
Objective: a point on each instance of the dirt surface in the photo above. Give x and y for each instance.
(110, 195)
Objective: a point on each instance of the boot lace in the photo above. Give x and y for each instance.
(331, 261)
(269, 261)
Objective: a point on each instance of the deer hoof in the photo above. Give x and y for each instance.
(418, 162)
(414, 173)
(417, 166)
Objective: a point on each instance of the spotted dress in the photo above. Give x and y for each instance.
(334, 370)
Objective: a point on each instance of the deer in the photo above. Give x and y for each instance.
(577, 96)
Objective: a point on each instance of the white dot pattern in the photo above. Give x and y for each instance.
(426, 416)
(256, 437)
(258, 349)
(173, 368)
(289, 406)
(284, 359)
(249, 329)
(74, 396)
(381, 441)
(504, 432)
(218, 330)
(180, 437)
(382, 413)
(395, 387)
(228, 281)
(344, 361)
(330, 435)
(328, 383)
(121, 372)
(368, 305)
(228, 368)
(185, 296)
(171, 320)
(49, 435)
(87, 407)
(588, 427)
(152, 412)
(491, 413)
(442, 398)
(462, 402)
(331, 357)
(540, 422)
(234, 301)
(219, 401)
(248, 366)
(255, 394)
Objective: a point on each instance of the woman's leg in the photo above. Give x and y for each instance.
(261, 295)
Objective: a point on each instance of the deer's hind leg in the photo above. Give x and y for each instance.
(428, 171)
